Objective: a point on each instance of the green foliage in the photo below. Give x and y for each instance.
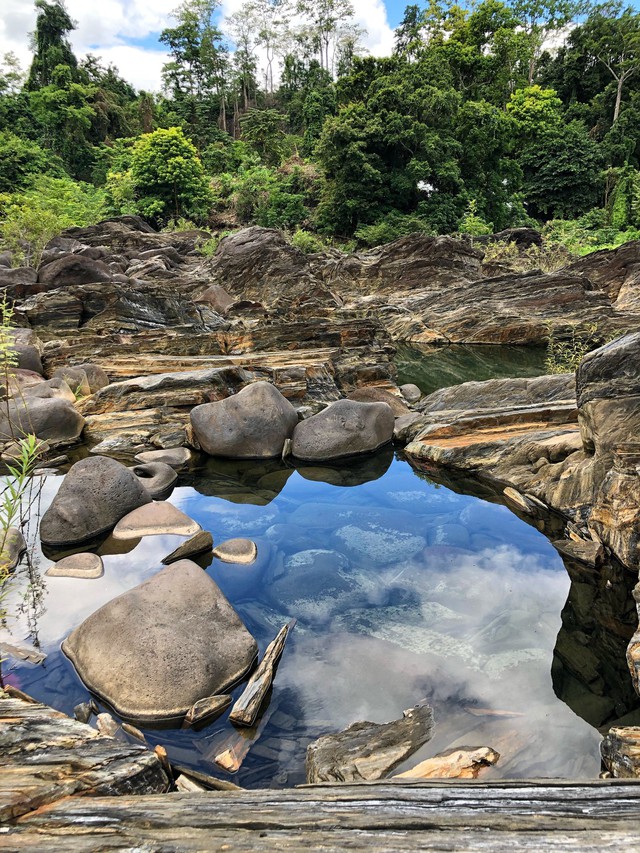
(391, 228)
(263, 130)
(35, 215)
(165, 180)
(21, 160)
(473, 224)
(564, 354)
(307, 242)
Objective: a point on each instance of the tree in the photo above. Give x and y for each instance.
(167, 178)
(613, 38)
(325, 19)
(264, 131)
(21, 161)
(49, 43)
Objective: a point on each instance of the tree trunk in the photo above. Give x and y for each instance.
(616, 111)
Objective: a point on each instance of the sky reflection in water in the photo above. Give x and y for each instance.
(403, 591)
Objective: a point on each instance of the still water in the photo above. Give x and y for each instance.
(403, 590)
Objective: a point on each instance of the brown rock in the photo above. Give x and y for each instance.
(241, 551)
(155, 518)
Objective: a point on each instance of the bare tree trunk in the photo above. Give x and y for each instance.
(616, 111)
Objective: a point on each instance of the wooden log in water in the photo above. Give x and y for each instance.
(247, 707)
(528, 816)
(463, 762)
(45, 755)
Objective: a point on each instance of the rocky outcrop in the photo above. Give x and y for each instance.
(345, 428)
(253, 424)
(95, 494)
(150, 669)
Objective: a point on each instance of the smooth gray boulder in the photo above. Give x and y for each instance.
(252, 424)
(156, 650)
(28, 357)
(157, 478)
(176, 457)
(49, 388)
(159, 517)
(96, 376)
(380, 395)
(95, 494)
(345, 428)
(410, 392)
(55, 420)
(73, 269)
(76, 379)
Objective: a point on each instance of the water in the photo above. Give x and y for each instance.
(403, 589)
(431, 368)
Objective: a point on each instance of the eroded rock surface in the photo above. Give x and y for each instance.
(345, 428)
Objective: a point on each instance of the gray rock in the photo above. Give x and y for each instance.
(155, 518)
(95, 494)
(76, 379)
(157, 478)
(73, 269)
(410, 392)
(96, 376)
(242, 551)
(51, 388)
(252, 424)
(86, 566)
(218, 298)
(54, 419)
(20, 380)
(345, 428)
(380, 395)
(200, 543)
(153, 669)
(28, 357)
(176, 457)
(13, 549)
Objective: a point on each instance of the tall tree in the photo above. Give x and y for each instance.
(324, 20)
(540, 18)
(49, 43)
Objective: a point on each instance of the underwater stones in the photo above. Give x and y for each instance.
(153, 669)
(52, 419)
(95, 494)
(368, 751)
(206, 709)
(13, 549)
(200, 543)
(87, 566)
(345, 428)
(176, 457)
(373, 541)
(252, 424)
(155, 518)
(242, 551)
(410, 392)
(157, 478)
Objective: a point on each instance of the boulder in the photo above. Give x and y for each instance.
(20, 380)
(176, 457)
(13, 548)
(380, 395)
(199, 543)
(217, 298)
(76, 379)
(242, 551)
(410, 392)
(96, 376)
(155, 518)
(157, 478)
(50, 388)
(71, 270)
(253, 424)
(153, 669)
(345, 428)
(95, 494)
(85, 566)
(28, 357)
(53, 419)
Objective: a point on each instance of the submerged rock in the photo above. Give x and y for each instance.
(368, 751)
(462, 762)
(242, 551)
(345, 428)
(87, 566)
(150, 668)
(95, 494)
(252, 424)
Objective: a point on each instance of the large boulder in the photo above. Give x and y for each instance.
(345, 428)
(154, 651)
(73, 269)
(54, 419)
(253, 424)
(96, 376)
(95, 494)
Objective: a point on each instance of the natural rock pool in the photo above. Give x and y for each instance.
(403, 590)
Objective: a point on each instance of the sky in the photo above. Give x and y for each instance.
(125, 32)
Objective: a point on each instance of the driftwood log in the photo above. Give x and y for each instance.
(499, 817)
(462, 762)
(247, 707)
(368, 751)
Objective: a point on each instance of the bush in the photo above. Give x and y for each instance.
(565, 355)
(307, 242)
(473, 224)
(395, 225)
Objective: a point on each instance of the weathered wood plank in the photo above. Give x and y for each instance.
(379, 817)
(45, 755)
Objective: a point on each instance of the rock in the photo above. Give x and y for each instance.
(14, 546)
(207, 709)
(218, 298)
(87, 566)
(380, 395)
(72, 270)
(83, 712)
(253, 424)
(51, 388)
(345, 428)
(28, 357)
(54, 420)
(157, 478)
(620, 751)
(410, 392)
(155, 518)
(152, 669)
(585, 551)
(200, 543)
(20, 380)
(95, 494)
(176, 457)
(463, 762)
(96, 376)
(76, 379)
(368, 751)
(106, 725)
(242, 551)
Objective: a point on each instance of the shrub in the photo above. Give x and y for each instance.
(565, 355)
(307, 242)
